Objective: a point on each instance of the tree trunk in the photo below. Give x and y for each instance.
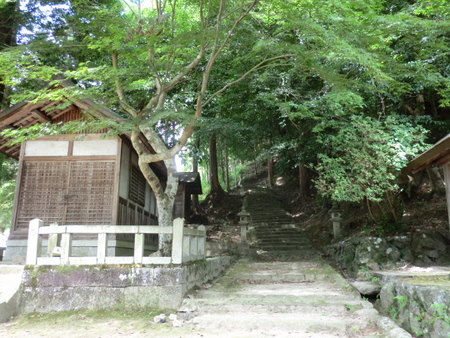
(304, 182)
(165, 198)
(270, 172)
(216, 196)
(227, 171)
(433, 178)
(214, 168)
(165, 206)
(165, 218)
(195, 201)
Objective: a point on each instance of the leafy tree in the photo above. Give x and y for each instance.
(134, 59)
(364, 156)
(8, 170)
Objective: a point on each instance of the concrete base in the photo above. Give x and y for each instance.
(64, 288)
(10, 279)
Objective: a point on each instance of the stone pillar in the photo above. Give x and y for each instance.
(34, 241)
(177, 241)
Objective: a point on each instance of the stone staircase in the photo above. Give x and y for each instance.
(272, 228)
(285, 290)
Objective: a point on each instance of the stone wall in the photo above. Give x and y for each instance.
(419, 308)
(373, 253)
(61, 288)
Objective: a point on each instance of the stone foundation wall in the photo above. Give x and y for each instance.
(373, 253)
(422, 310)
(63, 288)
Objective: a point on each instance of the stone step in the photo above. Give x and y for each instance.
(304, 250)
(281, 325)
(286, 246)
(282, 239)
(273, 235)
(269, 305)
(279, 232)
(278, 227)
(270, 220)
(273, 223)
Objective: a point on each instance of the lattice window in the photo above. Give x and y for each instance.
(90, 193)
(67, 192)
(42, 193)
(137, 186)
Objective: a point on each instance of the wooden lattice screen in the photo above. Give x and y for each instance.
(42, 193)
(90, 193)
(137, 186)
(78, 192)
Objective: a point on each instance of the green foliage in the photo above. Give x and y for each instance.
(400, 302)
(363, 155)
(112, 127)
(440, 312)
(8, 170)
(342, 97)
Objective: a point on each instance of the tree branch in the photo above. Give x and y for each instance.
(215, 54)
(119, 90)
(253, 69)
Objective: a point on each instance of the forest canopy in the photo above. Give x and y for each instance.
(349, 91)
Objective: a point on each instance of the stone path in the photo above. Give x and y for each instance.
(286, 290)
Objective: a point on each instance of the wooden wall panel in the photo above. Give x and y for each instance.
(78, 193)
(43, 192)
(90, 194)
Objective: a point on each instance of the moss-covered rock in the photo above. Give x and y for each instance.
(423, 310)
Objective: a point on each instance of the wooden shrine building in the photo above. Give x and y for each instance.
(73, 180)
(438, 154)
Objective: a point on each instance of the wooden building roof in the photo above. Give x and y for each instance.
(192, 182)
(437, 154)
(26, 114)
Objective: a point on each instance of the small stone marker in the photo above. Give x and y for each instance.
(177, 323)
(159, 319)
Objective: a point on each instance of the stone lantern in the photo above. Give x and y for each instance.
(336, 219)
(244, 220)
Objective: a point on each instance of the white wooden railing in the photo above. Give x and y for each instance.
(187, 244)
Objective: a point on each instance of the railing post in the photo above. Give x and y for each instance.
(66, 248)
(34, 241)
(102, 245)
(177, 241)
(202, 242)
(186, 248)
(52, 243)
(193, 248)
(138, 248)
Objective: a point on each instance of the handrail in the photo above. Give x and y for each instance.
(187, 244)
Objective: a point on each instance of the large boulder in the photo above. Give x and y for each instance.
(423, 310)
(375, 253)
(430, 249)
